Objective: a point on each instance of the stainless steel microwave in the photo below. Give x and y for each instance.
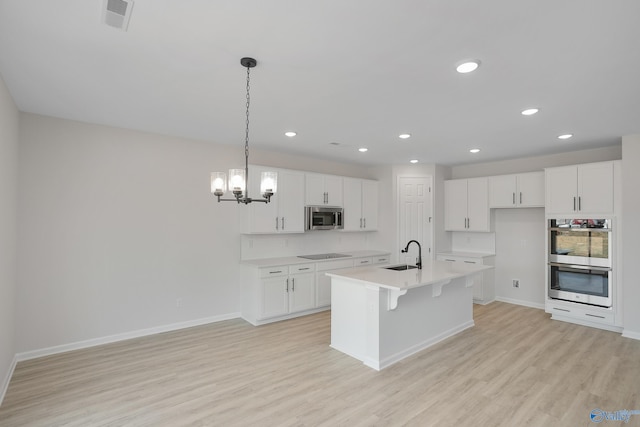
(323, 218)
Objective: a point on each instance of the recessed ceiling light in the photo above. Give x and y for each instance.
(404, 135)
(363, 150)
(468, 66)
(413, 161)
(529, 111)
(290, 134)
(565, 136)
(474, 150)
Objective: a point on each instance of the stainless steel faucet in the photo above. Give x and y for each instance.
(419, 260)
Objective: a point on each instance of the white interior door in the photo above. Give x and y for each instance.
(415, 216)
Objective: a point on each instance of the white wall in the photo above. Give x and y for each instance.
(520, 239)
(116, 226)
(532, 164)
(520, 232)
(631, 235)
(9, 119)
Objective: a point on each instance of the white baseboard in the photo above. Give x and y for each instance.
(521, 302)
(27, 355)
(631, 334)
(7, 379)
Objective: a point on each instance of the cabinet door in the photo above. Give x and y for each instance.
(370, 205)
(290, 202)
(595, 188)
(502, 191)
(561, 186)
(352, 204)
(275, 296)
(478, 204)
(333, 188)
(314, 189)
(302, 292)
(323, 289)
(455, 205)
(530, 190)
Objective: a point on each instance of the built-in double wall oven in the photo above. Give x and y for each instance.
(580, 260)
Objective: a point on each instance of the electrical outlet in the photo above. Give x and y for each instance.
(516, 283)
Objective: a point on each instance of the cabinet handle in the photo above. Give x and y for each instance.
(574, 203)
(360, 222)
(521, 197)
(293, 285)
(287, 284)
(283, 223)
(562, 309)
(514, 198)
(275, 272)
(593, 315)
(579, 203)
(450, 260)
(277, 223)
(301, 269)
(470, 262)
(364, 221)
(364, 262)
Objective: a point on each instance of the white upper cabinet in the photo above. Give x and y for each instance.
(586, 189)
(285, 213)
(466, 204)
(523, 190)
(323, 190)
(360, 204)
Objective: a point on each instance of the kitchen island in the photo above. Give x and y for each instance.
(381, 316)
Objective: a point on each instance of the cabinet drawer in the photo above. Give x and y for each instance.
(466, 260)
(361, 262)
(580, 313)
(383, 259)
(282, 270)
(334, 265)
(302, 268)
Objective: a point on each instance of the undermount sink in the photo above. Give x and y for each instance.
(401, 267)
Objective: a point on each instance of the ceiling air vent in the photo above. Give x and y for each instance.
(116, 13)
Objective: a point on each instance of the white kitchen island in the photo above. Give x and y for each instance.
(382, 316)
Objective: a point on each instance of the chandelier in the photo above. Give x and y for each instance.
(238, 182)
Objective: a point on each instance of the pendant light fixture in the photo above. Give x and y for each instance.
(238, 182)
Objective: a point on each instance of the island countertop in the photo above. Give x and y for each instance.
(432, 272)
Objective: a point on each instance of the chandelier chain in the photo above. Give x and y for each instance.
(246, 139)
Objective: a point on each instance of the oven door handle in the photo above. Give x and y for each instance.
(579, 267)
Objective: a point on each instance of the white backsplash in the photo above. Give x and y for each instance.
(465, 241)
(256, 246)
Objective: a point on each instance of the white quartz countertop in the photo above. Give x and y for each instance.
(467, 254)
(431, 273)
(292, 260)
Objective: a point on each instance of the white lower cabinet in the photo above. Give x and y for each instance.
(282, 292)
(582, 314)
(287, 289)
(483, 289)
(323, 282)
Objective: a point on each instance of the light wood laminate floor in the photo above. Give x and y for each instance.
(516, 367)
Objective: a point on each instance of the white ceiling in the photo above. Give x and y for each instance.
(353, 72)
